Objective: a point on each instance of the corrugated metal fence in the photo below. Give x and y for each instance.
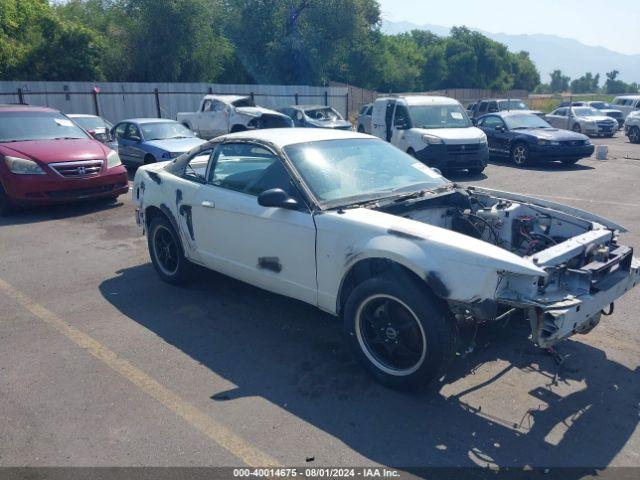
(116, 101)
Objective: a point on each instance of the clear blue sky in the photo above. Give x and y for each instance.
(612, 24)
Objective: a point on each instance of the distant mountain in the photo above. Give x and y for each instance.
(549, 52)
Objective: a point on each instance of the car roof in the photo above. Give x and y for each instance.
(226, 98)
(281, 137)
(81, 115)
(148, 120)
(22, 108)
(428, 100)
(308, 107)
(500, 100)
(510, 113)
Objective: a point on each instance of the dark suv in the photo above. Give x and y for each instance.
(495, 105)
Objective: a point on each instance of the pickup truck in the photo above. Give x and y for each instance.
(220, 114)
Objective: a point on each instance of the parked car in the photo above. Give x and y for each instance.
(606, 109)
(627, 104)
(632, 127)
(585, 120)
(97, 127)
(220, 114)
(493, 105)
(364, 118)
(358, 228)
(525, 137)
(316, 116)
(435, 130)
(149, 140)
(45, 158)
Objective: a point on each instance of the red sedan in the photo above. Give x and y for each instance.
(45, 158)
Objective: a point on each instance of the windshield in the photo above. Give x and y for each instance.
(586, 112)
(343, 172)
(439, 116)
(89, 123)
(244, 102)
(18, 126)
(512, 105)
(326, 113)
(165, 130)
(525, 121)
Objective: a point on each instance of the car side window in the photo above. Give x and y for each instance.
(402, 117)
(206, 106)
(196, 169)
(131, 132)
(218, 106)
(561, 112)
(248, 168)
(120, 130)
(492, 122)
(483, 107)
(493, 107)
(369, 110)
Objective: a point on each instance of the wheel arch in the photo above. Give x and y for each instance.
(370, 267)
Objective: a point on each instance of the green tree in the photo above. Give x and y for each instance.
(586, 84)
(299, 41)
(559, 82)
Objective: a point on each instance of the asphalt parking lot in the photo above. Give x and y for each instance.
(102, 364)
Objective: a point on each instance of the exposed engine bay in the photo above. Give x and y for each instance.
(581, 258)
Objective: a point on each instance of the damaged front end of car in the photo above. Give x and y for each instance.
(582, 269)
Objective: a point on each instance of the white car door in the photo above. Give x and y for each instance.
(558, 118)
(381, 119)
(401, 124)
(272, 248)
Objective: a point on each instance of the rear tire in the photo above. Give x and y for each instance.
(360, 129)
(166, 252)
(520, 154)
(399, 332)
(5, 205)
(238, 128)
(634, 135)
(149, 159)
(576, 128)
(476, 170)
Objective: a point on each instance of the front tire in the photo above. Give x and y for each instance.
(148, 158)
(634, 135)
(576, 128)
(166, 252)
(360, 129)
(398, 332)
(476, 170)
(520, 155)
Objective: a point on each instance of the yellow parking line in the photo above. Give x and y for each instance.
(220, 434)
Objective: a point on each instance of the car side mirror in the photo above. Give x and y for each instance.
(499, 128)
(278, 198)
(135, 139)
(474, 121)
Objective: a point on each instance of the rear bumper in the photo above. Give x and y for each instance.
(551, 153)
(454, 157)
(46, 189)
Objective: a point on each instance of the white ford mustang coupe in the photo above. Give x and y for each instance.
(351, 224)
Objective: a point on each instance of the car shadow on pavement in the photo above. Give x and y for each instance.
(542, 166)
(464, 176)
(505, 403)
(37, 214)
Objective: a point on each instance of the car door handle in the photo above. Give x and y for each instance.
(208, 204)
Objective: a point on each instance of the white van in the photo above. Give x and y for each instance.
(626, 104)
(435, 130)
